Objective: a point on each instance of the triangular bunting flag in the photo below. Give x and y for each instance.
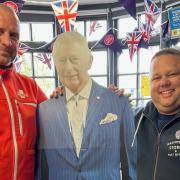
(110, 41)
(94, 25)
(133, 39)
(23, 48)
(17, 65)
(144, 40)
(165, 29)
(130, 6)
(152, 13)
(45, 58)
(66, 12)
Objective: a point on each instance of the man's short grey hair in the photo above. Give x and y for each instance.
(167, 51)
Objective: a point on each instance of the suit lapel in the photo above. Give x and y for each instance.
(92, 114)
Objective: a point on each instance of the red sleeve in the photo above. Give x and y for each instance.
(40, 95)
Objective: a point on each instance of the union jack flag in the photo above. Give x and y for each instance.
(17, 65)
(133, 39)
(45, 58)
(15, 4)
(165, 30)
(66, 12)
(142, 28)
(152, 13)
(23, 48)
(94, 25)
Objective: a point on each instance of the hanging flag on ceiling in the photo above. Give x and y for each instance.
(130, 6)
(110, 41)
(144, 40)
(94, 26)
(142, 28)
(45, 58)
(15, 4)
(23, 48)
(152, 13)
(165, 30)
(66, 12)
(17, 65)
(133, 39)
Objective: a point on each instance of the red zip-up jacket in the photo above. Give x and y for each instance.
(19, 97)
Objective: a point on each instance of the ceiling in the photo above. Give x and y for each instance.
(90, 7)
(81, 2)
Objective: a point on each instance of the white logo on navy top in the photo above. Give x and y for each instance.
(177, 135)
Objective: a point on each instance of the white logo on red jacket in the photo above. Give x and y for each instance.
(21, 94)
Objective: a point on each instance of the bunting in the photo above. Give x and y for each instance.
(94, 25)
(48, 47)
(15, 4)
(66, 12)
(130, 6)
(17, 65)
(23, 48)
(144, 40)
(45, 59)
(152, 13)
(165, 30)
(110, 41)
(133, 39)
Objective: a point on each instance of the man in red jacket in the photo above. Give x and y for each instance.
(19, 97)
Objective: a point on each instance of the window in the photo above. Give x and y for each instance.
(133, 75)
(25, 32)
(39, 66)
(145, 56)
(26, 65)
(98, 70)
(125, 65)
(126, 25)
(42, 32)
(79, 27)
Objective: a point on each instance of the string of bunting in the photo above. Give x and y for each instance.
(66, 11)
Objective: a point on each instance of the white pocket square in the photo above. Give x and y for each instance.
(109, 118)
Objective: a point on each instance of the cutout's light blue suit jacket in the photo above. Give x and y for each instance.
(99, 157)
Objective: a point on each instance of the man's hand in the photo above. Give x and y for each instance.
(119, 92)
(58, 91)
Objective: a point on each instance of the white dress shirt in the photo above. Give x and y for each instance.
(77, 106)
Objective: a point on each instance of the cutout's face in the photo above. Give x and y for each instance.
(72, 63)
(165, 83)
(9, 37)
